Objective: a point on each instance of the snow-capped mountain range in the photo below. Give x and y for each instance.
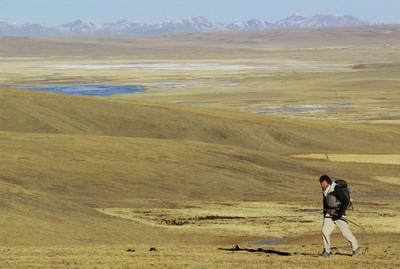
(196, 24)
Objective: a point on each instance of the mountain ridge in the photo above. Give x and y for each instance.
(195, 24)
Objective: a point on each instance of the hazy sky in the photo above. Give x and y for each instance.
(60, 11)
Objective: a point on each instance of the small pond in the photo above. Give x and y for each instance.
(97, 90)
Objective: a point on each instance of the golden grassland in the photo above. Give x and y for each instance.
(188, 256)
(224, 147)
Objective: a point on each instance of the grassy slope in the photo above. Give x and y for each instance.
(38, 112)
(62, 153)
(30, 217)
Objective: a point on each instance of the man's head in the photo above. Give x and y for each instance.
(325, 182)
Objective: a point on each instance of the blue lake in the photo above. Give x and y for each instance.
(97, 90)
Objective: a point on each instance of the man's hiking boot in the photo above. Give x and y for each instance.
(324, 254)
(357, 252)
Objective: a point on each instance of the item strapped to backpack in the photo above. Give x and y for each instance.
(344, 186)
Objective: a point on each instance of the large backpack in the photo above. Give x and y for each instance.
(344, 186)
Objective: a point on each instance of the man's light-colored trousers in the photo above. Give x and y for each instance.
(327, 229)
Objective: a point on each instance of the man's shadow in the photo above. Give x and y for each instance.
(259, 250)
(237, 248)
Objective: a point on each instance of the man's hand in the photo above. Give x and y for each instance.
(336, 217)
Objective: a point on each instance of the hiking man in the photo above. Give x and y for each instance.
(335, 203)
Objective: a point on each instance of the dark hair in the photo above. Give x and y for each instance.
(325, 178)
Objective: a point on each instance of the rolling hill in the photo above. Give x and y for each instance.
(64, 156)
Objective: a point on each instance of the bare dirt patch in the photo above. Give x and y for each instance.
(389, 180)
(391, 159)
